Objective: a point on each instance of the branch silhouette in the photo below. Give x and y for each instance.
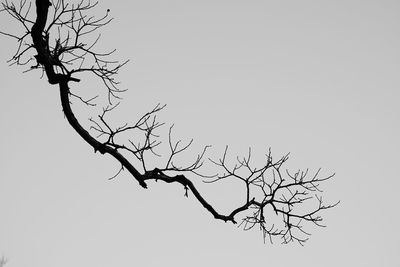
(276, 201)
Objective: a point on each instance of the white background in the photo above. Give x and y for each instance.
(318, 79)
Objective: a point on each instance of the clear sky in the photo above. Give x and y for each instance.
(318, 79)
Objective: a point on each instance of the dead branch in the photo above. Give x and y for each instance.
(279, 203)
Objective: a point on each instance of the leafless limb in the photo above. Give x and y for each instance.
(281, 204)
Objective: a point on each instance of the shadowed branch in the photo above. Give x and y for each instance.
(280, 203)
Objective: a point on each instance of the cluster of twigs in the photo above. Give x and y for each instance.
(276, 201)
(65, 35)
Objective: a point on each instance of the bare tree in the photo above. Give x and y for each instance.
(56, 40)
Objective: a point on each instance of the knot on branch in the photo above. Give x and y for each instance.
(100, 147)
(153, 174)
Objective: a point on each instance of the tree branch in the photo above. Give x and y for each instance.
(278, 202)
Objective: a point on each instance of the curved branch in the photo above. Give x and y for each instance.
(102, 148)
(264, 186)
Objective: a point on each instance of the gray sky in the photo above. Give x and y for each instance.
(318, 79)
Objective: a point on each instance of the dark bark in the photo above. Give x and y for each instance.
(282, 194)
(41, 42)
(44, 58)
(102, 148)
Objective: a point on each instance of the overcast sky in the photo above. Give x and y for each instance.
(318, 79)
